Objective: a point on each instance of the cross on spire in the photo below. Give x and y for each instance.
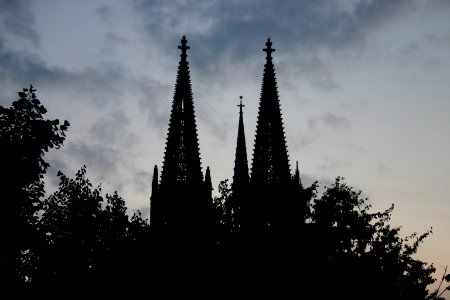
(269, 49)
(183, 47)
(240, 105)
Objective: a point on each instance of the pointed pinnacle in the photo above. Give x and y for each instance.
(269, 49)
(184, 47)
(240, 105)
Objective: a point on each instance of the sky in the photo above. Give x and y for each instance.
(364, 88)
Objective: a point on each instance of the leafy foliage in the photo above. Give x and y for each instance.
(71, 225)
(85, 243)
(355, 242)
(25, 136)
(444, 286)
(222, 217)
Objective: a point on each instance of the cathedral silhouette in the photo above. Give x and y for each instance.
(265, 203)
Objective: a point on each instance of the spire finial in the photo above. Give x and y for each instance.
(184, 47)
(269, 49)
(240, 105)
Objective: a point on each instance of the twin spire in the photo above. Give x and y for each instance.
(183, 195)
(181, 202)
(182, 156)
(270, 157)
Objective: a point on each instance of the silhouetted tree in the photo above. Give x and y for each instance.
(71, 222)
(362, 252)
(444, 286)
(89, 246)
(223, 220)
(139, 243)
(25, 136)
(139, 228)
(114, 249)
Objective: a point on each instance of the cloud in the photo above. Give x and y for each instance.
(141, 181)
(154, 100)
(329, 120)
(386, 170)
(302, 141)
(18, 66)
(101, 160)
(105, 84)
(373, 15)
(436, 39)
(335, 121)
(331, 164)
(102, 83)
(314, 70)
(218, 125)
(111, 128)
(98, 156)
(221, 26)
(105, 13)
(17, 21)
(412, 53)
(112, 41)
(227, 35)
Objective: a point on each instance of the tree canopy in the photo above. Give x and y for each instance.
(362, 251)
(25, 136)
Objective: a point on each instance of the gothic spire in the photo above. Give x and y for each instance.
(240, 177)
(270, 157)
(240, 183)
(154, 196)
(183, 47)
(208, 183)
(181, 208)
(155, 180)
(297, 180)
(182, 156)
